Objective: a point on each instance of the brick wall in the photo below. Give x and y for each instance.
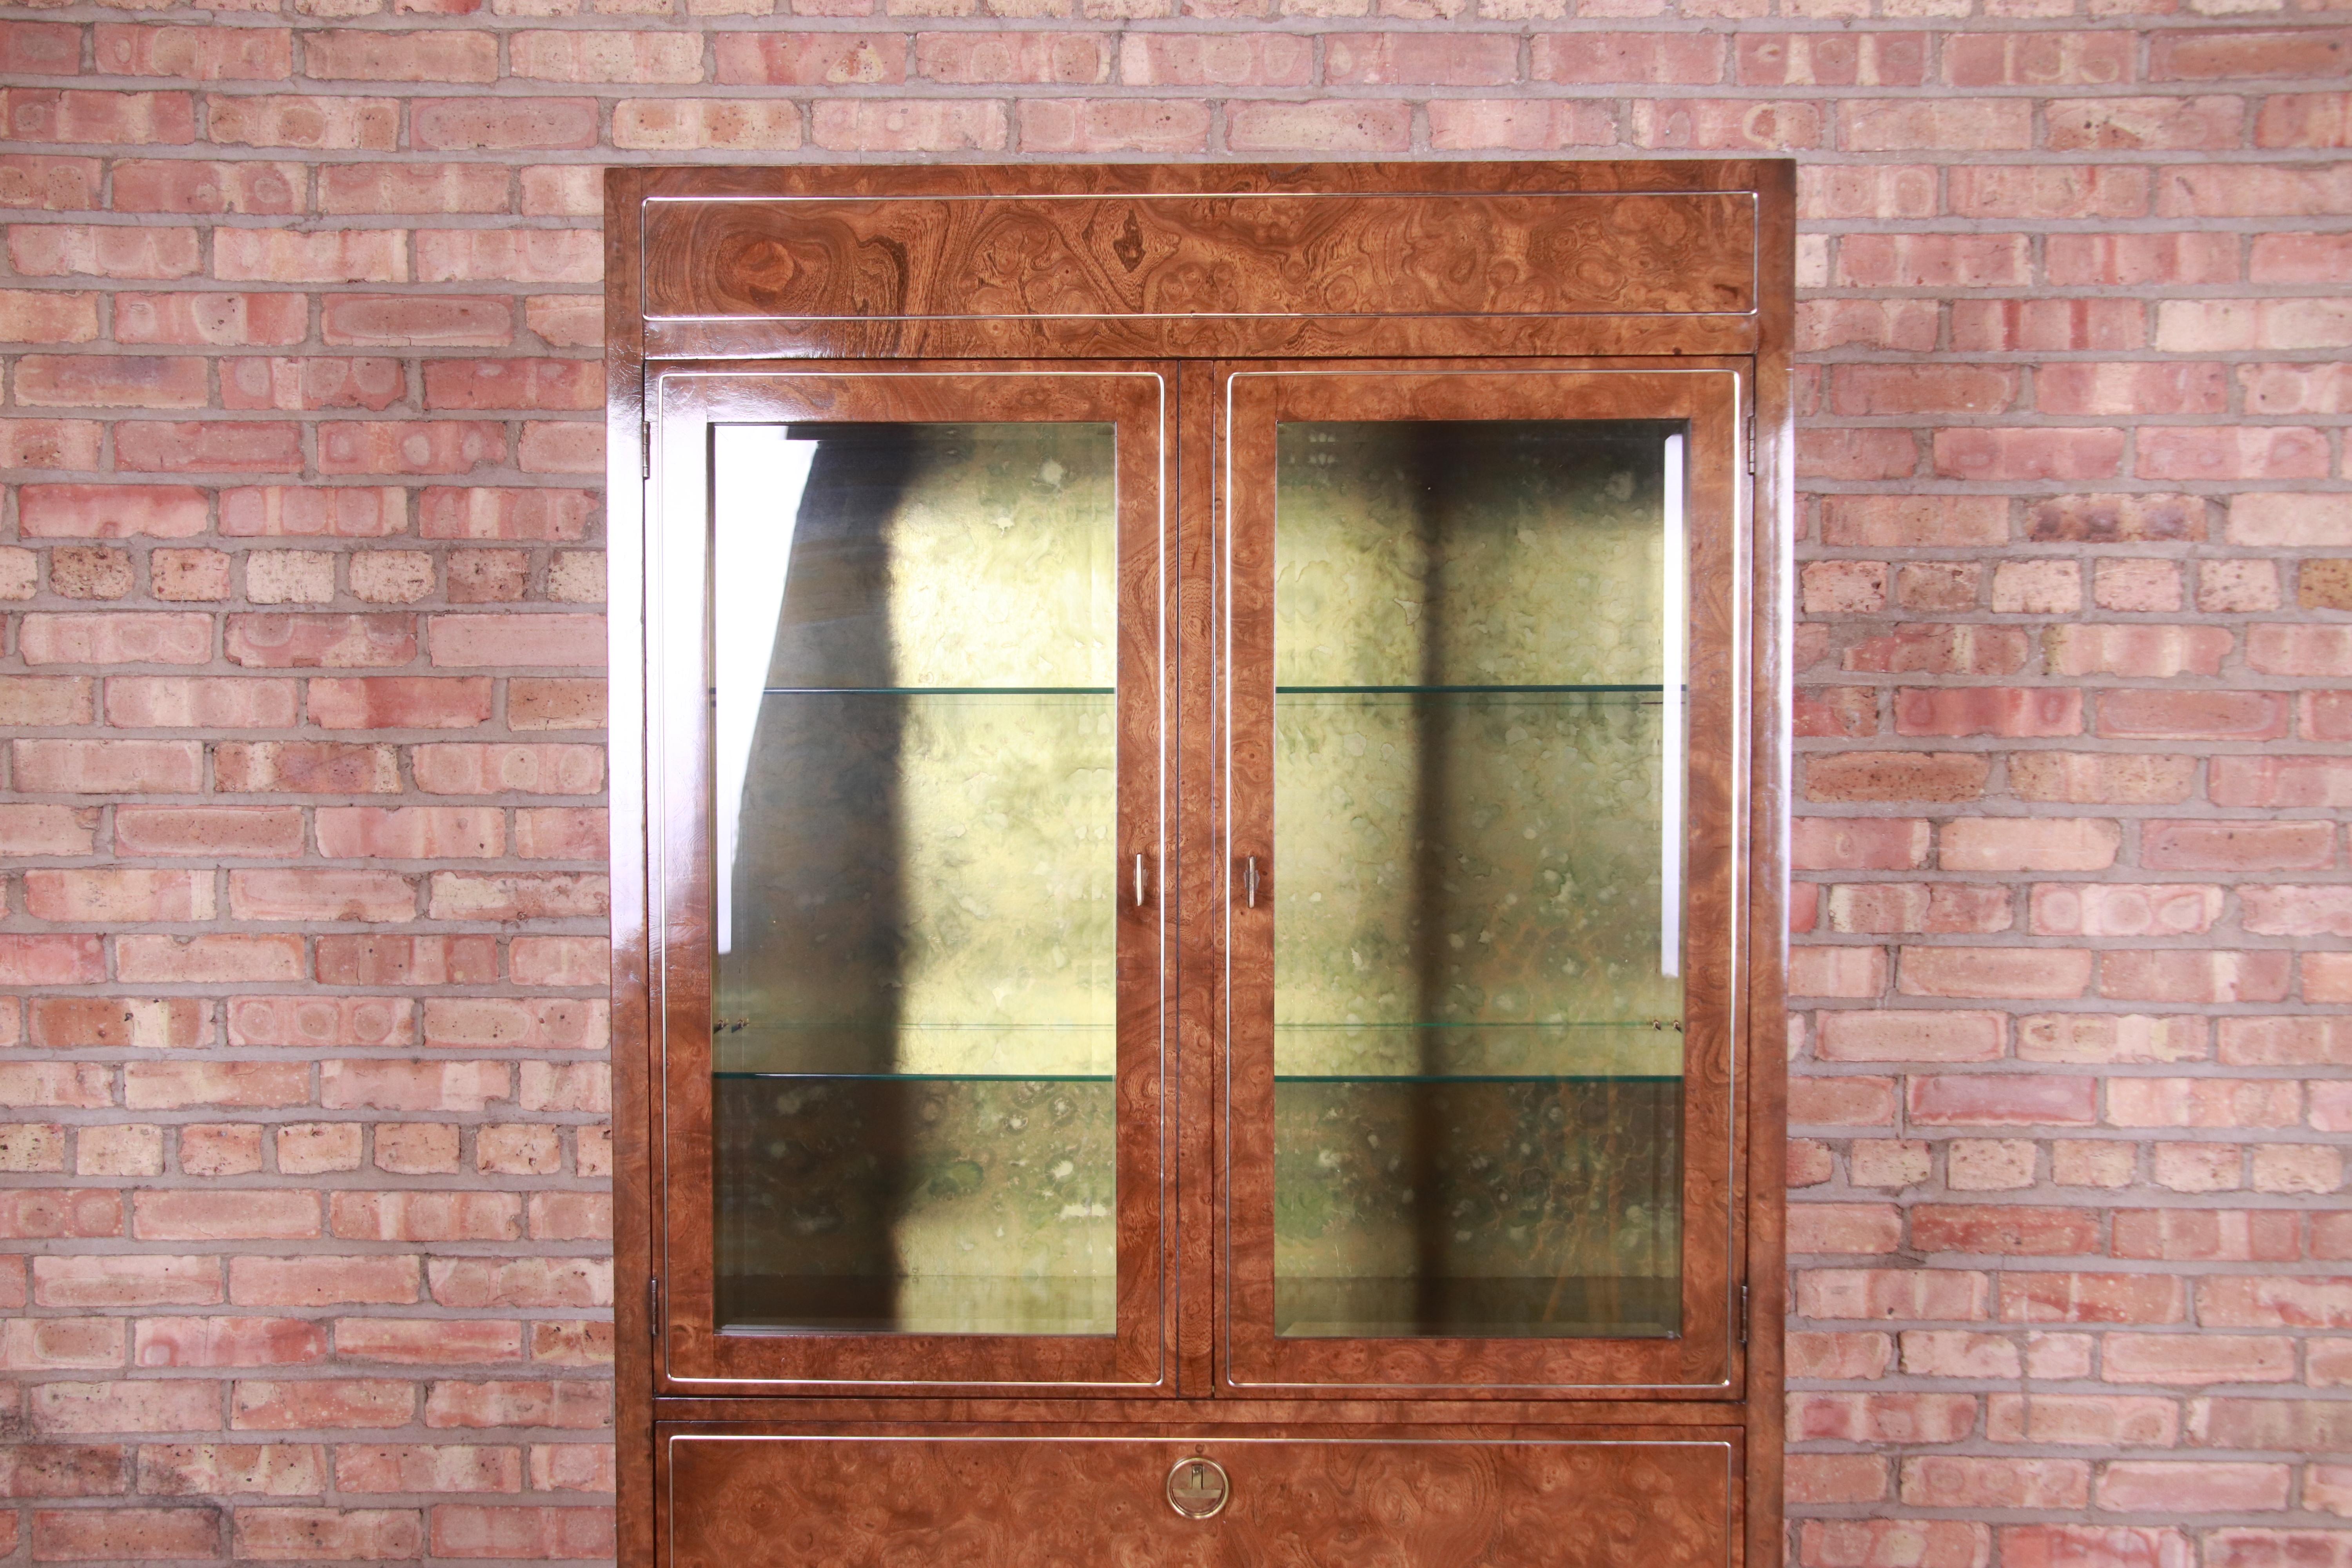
(302, 1245)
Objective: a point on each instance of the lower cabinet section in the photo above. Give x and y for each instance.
(733, 1498)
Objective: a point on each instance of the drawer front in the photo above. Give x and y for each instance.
(763, 1500)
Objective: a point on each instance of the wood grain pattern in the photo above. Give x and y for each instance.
(1023, 1502)
(1042, 256)
(813, 259)
(1702, 1360)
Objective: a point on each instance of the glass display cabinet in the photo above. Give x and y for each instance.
(1197, 770)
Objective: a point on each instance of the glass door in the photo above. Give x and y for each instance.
(908, 812)
(1484, 712)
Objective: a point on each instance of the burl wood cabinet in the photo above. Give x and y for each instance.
(1198, 777)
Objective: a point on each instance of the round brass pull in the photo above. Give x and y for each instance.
(1198, 1489)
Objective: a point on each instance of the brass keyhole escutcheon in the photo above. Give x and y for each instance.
(1198, 1489)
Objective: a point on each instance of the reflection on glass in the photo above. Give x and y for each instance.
(912, 633)
(1478, 663)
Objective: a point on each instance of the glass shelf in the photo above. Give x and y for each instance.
(938, 691)
(915, 1076)
(1515, 690)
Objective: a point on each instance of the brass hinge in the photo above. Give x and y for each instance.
(1743, 1314)
(1751, 440)
(645, 450)
(653, 1309)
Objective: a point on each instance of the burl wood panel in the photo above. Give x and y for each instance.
(981, 1503)
(1188, 256)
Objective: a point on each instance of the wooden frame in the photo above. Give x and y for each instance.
(686, 402)
(1080, 266)
(1701, 1360)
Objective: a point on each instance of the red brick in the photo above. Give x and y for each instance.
(913, 125)
(2129, 260)
(2299, 258)
(471, 1530)
(528, 1282)
(1856, 454)
(425, 1216)
(370, 189)
(213, 320)
(48, 316)
(2030, 326)
(2066, 908)
(1933, 260)
(356, 55)
(2016, 1230)
(558, 961)
(2245, 53)
(1891, 1418)
(263, 1405)
(76, 114)
(315, 1281)
(1688, 59)
(223, 447)
(125, 1533)
(65, 444)
(172, 701)
(2197, 1358)
(1112, 125)
(2144, 124)
(316, 1021)
(118, 896)
(1869, 843)
(410, 446)
(2232, 452)
(522, 383)
(1162, 60)
(537, 769)
(576, 1406)
(394, 321)
(2059, 192)
(43, 1214)
(1335, 126)
(2047, 844)
(2147, 974)
(108, 767)
(110, 381)
(2006, 710)
(556, 515)
(2145, 652)
(1928, 649)
(1895, 776)
(1043, 58)
(1910, 1035)
(1957, 1482)
(1987, 455)
(2068, 1298)
(1831, 60)
(228, 1342)
(2008, 972)
(279, 640)
(141, 1281)
(41, 48)
(210, 831)
(2194, 715)
(326, 1534)
(819, 59)
(274, 512)
(428, 1340)
(433, 1467)
(2287, 781)
(517, 1023)
(381, 958)
(2037, 60)
(317, 893)
(508, 639)
(1891, 1544)
(292, 119)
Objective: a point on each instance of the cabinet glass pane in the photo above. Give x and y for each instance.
(913, 639)
(1479, 657)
